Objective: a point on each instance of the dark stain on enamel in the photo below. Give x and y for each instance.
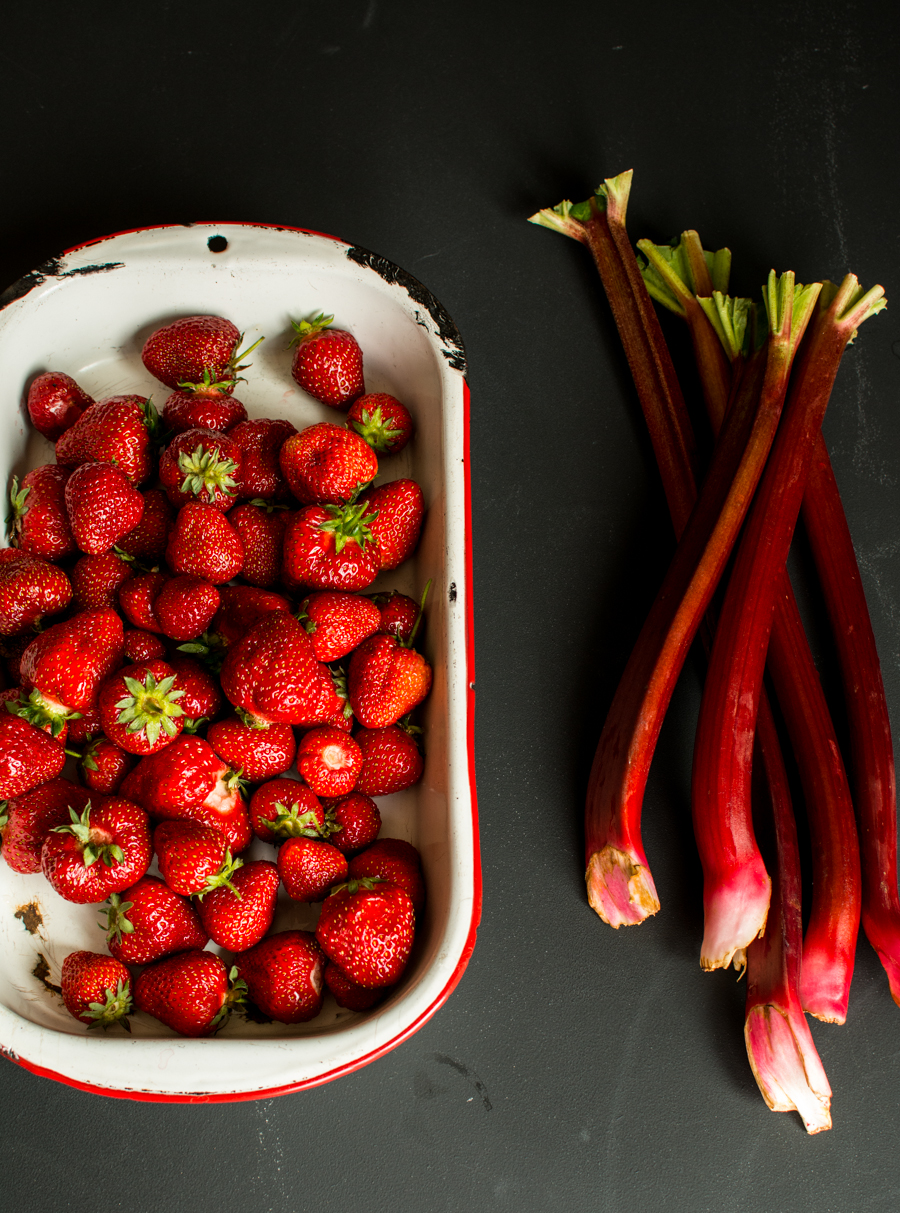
(52, 268)
(41, 971)
(30, 917)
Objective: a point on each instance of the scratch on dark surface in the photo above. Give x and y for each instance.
(369, 18)
(42, 972)
(469, 1075)
(30, 916)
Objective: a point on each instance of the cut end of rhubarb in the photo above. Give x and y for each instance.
(620, 888)
(789, 1079)
(819, 995)
(734, 914)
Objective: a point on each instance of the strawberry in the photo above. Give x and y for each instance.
(272, 673)
(285, 808)
(102, 504)
(149, 921)
(201, 465)
(309, 867)
(148, 540)
(230, 815)
(258, 753)
(328, 363)
(30, 588)
(139, 707)
(283, 974)
(137, 599)
(204, 544)
(354, 821)
(366, 927)
(67, 663)
(241, 607)
(399, 614)
(189, 992)
(55, 402)
(397, 862)
(185, 607)
(197, 352)
(104, 765)
(117, 430)
(262, 533)
(327, 464)
(193, 858)
(27, 820)
(346, 992)
(96, 580)
(260, 440)
(29, 705)
(96, 989)
(28, 756)
(343, 718)
(330, 547)
(391, 761)
(382, 421)
(189, 409)
(38, 522)
(141, 646)
(202, 698)
(399, 508)
(329, 760)
(238, 916)
(386, 680)
(337, 622)
(101, 851)
(82, 728)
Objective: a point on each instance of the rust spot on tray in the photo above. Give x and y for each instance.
(30, 917)
(41, 971)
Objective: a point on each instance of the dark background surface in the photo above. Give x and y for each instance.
(574, 1068)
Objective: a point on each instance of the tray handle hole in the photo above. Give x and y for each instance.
(217, 244)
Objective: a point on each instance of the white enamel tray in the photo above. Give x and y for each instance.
(88, 314)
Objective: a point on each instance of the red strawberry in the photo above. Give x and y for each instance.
(200, 351)
(96, 580)
(139, 707)
(241, 607)
(399, 614)
(189, 409)
(327, 464)
(149, 921)
(330, 761)
(201, 465)
(55, 402)
(395, 861)
(28, 756)
(337, 622)
(260, 440)
(231, 816)
(309, 868)
(272, 673)
(96, 989)
(382, 421)
(237, 917)
(258, 753)
(202, 698)
(330, 547)
(284, 976)
(193, 858)
(38, 522)
(262, 534)
(185, 607)
(27, 820)
(343, 718)
(188, 992)
(30, 588)
(346, 991)
(204, 544)
(399, 508)
(391, 761)
(101, 851)
(328, 363)
(67, 663)
(104, 765)
(386, 680)
(141, 646)
(102, 504)
(285, 808)
(366, 928)
(148, 540)
(354, 821)
(117, 430)
(82, 728)
(137, 599)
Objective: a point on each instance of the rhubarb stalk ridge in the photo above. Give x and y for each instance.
(620, 887)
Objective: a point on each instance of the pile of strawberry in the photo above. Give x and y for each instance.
(180, 610)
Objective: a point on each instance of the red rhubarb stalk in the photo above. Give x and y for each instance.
(736, 884)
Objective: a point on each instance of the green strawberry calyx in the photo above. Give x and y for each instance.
(17, 510)
(222, 878)
(117, 921)
(210, 649)
(94, 844)
(304, 329)
(234, 999)
(380, 432)
(114, 1009)
(408, 643)
(291, 823)
(358, 884)
(251, 721)
(205, 472)
(349, 523)
(150, 707)
(42, 713)
(209, 385)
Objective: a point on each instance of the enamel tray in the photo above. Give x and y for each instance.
(89, 313)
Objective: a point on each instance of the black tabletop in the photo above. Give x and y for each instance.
(574, 1068)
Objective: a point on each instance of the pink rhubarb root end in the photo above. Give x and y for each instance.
(821, 995)
(620, 888)
(734, 915)
(787, 1068)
